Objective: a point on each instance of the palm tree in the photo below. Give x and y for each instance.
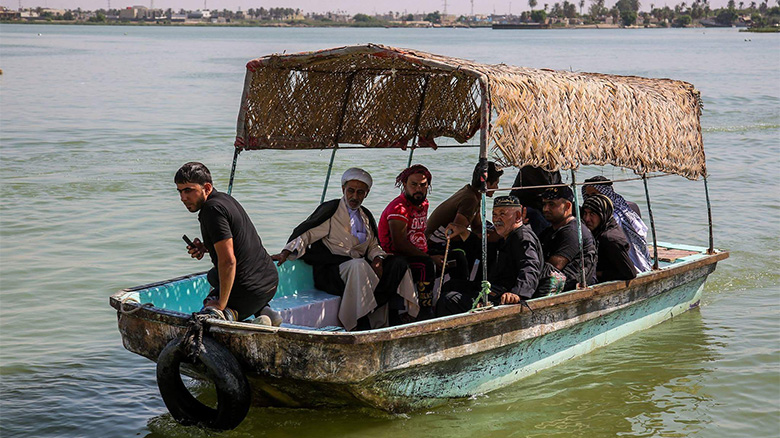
(740, 5)
(532, 4)
(582, 5)
(545, 7)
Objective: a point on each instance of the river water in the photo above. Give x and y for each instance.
(94, 121)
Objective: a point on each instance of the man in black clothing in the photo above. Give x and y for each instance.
(560, 241)
(514, 275)
(530, 176)
(243, 278)
(613, 261)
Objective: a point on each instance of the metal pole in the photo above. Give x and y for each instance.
(415, 140)
(652, 225)
(582, 280)
(327, 176)
(233, 170)
(711, 249)
(483, 156)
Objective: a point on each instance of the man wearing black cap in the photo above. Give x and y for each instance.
(560, 241)
(515, 273)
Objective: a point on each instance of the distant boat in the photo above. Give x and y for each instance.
(710, 22)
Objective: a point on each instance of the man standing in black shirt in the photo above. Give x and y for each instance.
(243, 278)
(560, 242)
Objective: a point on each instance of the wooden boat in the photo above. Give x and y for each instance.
(379, 96)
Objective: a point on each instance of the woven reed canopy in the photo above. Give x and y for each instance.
(380, 96)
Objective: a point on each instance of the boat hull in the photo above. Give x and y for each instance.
(423, 364)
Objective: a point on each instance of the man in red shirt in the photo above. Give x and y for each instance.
(402, 232)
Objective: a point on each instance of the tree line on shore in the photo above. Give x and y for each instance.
(558, 14)
(627, 13)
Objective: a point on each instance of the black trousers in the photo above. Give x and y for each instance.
(327, 276)
(423, 274)
(245, 302)
(393, 271)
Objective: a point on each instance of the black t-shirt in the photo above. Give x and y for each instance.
(564, 242)
(222, 217)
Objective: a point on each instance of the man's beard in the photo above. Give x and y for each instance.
(417, 199)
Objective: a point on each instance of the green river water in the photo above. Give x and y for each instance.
(94, 121)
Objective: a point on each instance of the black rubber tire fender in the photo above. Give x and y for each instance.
(222, 368)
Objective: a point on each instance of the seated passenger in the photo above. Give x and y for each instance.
(628, 218)
(340, 241)
(560, 241)
(455, 215)
(402, 232)
(516, 271)
(530, 176)
(613, 261)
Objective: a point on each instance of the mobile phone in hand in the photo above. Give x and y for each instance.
(188, 241)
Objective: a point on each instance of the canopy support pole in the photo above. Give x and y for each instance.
(582, 280)
(483, 157)
(711, 249)
(417, 120)
(327, 176)
(652, 224)
(233, 170)
(344, 105)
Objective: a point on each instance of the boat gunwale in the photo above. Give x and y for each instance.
(408, 330)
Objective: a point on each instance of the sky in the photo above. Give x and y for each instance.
(457, 7)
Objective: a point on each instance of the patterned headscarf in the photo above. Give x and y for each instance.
(417, 168)
(601, 206)
(632, 225)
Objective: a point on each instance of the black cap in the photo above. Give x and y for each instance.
(506, 201)
(559, 193)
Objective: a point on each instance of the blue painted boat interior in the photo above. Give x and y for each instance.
(296, 286)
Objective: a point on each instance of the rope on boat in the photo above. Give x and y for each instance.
(483, 295)
(133, 310)
(192, 341)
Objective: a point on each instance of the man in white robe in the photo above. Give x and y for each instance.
(340, 241)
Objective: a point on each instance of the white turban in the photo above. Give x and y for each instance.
(356, 174)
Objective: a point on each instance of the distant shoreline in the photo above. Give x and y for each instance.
(338, 25)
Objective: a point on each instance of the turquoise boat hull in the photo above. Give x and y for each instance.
(423, 364)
